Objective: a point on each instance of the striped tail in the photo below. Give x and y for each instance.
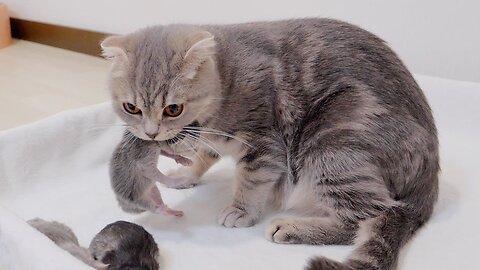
(380, 251)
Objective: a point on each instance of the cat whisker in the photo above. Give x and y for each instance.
(217, 132)
(206, 142)
(195, 152)
(197, 137)
(191, 148)
(130, 140)
(203, 140)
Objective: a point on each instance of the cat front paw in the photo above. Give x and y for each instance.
(182, 178)
(233, 216)
(282, 231)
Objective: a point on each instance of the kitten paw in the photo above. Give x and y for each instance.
(232, 216)
(182, 179)
(182, 183)
(282, 231)
(164, 209)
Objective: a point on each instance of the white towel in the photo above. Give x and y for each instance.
(57, 169)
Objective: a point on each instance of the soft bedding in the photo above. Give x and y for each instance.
(57, 169)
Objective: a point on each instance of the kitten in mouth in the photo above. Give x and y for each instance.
(321, 117)
(134, 173)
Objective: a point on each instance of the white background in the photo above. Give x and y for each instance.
(434, 37)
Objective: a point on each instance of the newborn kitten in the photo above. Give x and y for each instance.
(64, 237)
(124, 245)
(133, 174)
(321, 117)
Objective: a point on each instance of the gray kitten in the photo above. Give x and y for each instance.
(125, 246)
(133, 174)
(119, 246)
(321, 117)
(64, 237)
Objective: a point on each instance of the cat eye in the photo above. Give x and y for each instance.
(173, 110)
(131, 109)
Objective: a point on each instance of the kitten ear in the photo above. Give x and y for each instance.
(109, 257)
(202, 50)
(113, 46)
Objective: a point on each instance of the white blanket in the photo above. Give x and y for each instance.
(56, 169)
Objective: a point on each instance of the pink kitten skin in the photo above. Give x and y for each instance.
(179, 159)
(133, 173)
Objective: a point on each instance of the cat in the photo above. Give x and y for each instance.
(118, 246)
(321, 117)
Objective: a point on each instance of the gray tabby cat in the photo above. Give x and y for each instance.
(321, 117)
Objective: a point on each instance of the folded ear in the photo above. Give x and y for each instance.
(203, 49)
(113, 46)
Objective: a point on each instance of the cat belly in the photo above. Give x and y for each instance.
(303, 198)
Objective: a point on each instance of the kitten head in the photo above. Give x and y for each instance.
(163, 81)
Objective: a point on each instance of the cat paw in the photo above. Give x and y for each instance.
(181, 179)
(233, 216)
(282, 231)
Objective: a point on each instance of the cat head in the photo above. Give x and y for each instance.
(164, 80)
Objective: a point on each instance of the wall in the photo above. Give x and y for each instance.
(434, 37)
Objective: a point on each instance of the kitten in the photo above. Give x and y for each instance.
(321, 117)
(125, 245)
(133, 174)
(120, 245)
(64, 237)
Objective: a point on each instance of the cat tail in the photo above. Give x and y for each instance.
(385, 235)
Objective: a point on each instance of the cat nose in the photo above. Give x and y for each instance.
(152, 135)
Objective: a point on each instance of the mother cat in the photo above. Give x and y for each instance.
(321, 117)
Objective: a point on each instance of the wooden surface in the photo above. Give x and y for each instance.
(5, 36)
(37, 81)
(73, 39)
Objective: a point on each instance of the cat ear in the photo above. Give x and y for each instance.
(113, 46)
(202, 50)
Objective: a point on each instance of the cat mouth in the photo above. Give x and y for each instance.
(186, 132)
